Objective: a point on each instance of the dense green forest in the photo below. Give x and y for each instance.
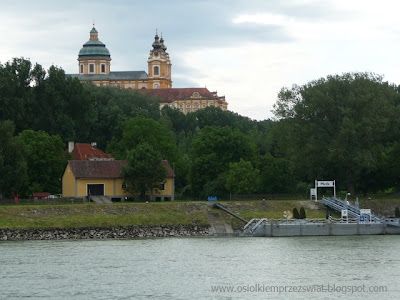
(344, 127)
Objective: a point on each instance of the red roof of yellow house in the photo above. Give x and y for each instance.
(88, 152)
(167, 166)
(105, 168)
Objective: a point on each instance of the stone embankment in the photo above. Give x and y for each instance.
(104, 233)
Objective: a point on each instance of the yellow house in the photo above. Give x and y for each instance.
(84, 178)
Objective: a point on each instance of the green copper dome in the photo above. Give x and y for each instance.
(94, 47)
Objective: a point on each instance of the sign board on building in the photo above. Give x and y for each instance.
(365, 211)
(325, 183)
(345, 213)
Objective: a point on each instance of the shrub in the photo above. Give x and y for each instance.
(302, 213)
(296, 214)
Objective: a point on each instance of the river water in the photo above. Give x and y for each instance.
(357, 267)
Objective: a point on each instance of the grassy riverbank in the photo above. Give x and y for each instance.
(160, 213)
(94, 215)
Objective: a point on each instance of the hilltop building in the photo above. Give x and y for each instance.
(94, 65)
(188, 99)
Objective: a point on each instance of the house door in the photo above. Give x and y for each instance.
(95, 189)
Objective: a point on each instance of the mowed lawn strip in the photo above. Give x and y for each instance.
(106, 215)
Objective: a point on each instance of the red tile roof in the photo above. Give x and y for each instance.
(97, 168)
(173, 94)
(170, 171)
(87, 152)
(105, 168)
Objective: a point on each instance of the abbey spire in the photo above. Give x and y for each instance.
(159, 64)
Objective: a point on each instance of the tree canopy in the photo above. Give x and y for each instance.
(45, 158)
(343, 127)
(212, 150)
(13, 167)
(144, 170)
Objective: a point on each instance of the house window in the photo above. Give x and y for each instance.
(162, 187)
(156, 71)
(103, 68)
(91, 68)
(81, 69)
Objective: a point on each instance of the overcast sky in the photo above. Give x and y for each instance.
(246, 50)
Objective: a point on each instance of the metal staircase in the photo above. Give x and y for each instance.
(225, 209)
(339, 205)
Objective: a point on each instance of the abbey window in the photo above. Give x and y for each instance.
(91, 68)
(156, 71)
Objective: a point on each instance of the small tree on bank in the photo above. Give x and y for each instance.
(397, 212)
(302, 213)
(144, 170)
(296, 214)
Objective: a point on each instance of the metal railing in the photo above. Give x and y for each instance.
(339, 205)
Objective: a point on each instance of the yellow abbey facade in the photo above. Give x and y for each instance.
(94, 63)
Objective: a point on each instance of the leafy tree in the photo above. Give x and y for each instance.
(277, 175)
(12, 163)
(144, 170)
(45, 158)
(341, 127)
(61, 106)
(214, 116)
(242, 177)
(177, 120)
(144, 130)
(112, 107)
(15, 92)
(212, 150)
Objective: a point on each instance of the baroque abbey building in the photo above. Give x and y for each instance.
(95, 66)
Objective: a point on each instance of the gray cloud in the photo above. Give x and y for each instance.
(52, 32)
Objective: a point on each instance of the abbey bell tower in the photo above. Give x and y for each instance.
(159, 65)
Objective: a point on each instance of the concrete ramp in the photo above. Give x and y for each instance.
(218, 225)
(101, 199)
